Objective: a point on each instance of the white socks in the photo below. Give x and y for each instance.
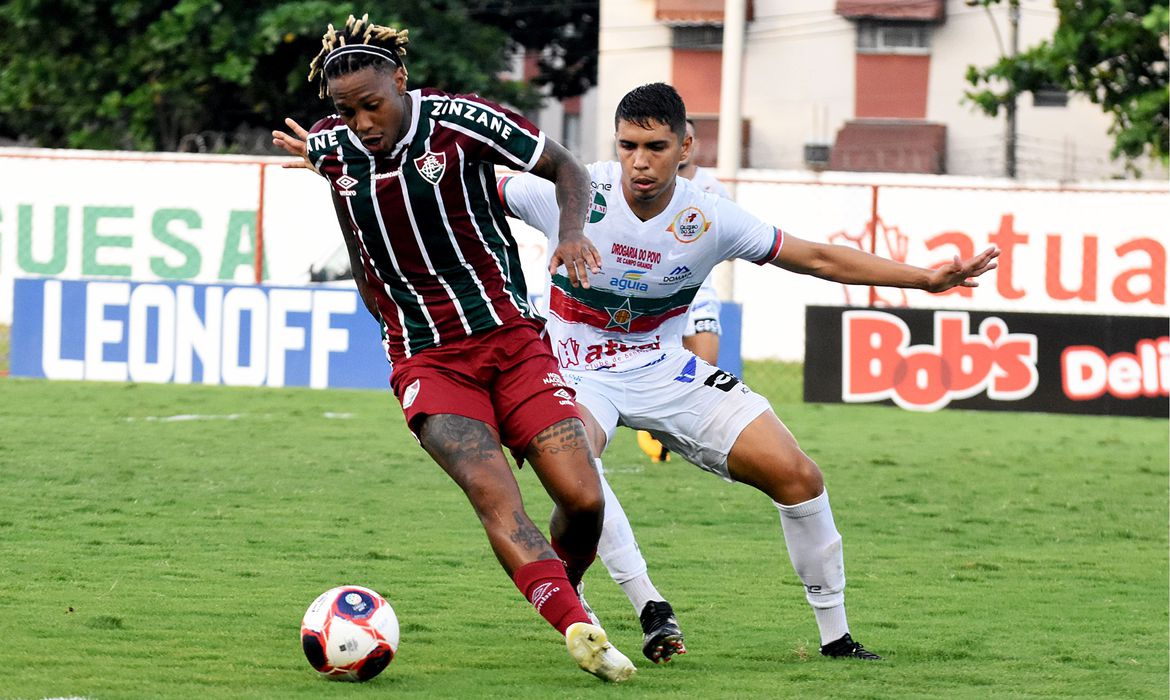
(814, 546)
(620, 553)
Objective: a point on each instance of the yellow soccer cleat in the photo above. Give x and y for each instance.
(655, 450)
(591, 649)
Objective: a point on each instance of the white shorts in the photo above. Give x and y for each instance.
(695, 409)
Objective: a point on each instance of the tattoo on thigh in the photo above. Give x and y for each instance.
(566, 436)
(526, 535)
(459, 440)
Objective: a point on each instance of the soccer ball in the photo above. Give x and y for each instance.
(349, 633)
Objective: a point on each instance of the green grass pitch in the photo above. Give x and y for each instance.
(989, 555)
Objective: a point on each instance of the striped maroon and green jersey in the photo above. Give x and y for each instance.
(437, 251)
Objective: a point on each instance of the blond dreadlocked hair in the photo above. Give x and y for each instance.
(356, 32)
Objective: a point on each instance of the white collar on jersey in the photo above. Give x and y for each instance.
(415, 110)
(404, 142)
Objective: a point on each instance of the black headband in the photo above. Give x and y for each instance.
(361, 48)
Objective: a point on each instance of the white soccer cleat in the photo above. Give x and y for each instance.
(591, 649)
(585, 604)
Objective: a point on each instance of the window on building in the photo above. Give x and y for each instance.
(881, 36)
(1050, 96)
(703, 37)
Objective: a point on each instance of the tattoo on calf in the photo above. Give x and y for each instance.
(527, 536)
(566, 436)
(459, 440)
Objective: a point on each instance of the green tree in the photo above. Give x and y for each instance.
(1111, 51)
(140, 74)
(565, 34)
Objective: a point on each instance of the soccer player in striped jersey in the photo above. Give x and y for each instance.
(411, 173)
(620, 346)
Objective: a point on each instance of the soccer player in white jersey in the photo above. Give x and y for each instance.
(701, 335)
(619, 341)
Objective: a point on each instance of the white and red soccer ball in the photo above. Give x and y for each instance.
(349, 633)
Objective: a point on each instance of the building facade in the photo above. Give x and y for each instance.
(855, 85)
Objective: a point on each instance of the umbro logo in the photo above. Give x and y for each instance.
(542, 593)
(345, 185)
(687, 375)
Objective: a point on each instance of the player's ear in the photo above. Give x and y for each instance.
(688, 143)
(400, 76)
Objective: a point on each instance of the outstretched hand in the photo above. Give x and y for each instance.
(961, 273)
(579, 256)
(294, 145)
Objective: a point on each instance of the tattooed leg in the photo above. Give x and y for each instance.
(561, 458)
(469, 451)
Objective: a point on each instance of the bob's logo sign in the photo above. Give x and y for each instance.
(925, 360)
(878, 362)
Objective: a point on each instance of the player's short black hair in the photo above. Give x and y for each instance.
(653, 102)
(360, 44)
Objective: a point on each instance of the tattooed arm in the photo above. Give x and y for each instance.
(574, 250)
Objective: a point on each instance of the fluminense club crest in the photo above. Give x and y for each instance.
(431, 166)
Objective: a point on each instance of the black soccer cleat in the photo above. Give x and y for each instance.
(661, 636)
(846, 648)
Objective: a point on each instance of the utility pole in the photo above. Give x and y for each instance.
(731, 92)
(1009, 156)
(731, 119)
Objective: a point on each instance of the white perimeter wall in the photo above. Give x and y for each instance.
(116, 216)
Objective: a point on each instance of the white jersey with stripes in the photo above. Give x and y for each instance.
(651, 270)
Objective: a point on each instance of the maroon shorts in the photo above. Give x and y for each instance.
(506, 378)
